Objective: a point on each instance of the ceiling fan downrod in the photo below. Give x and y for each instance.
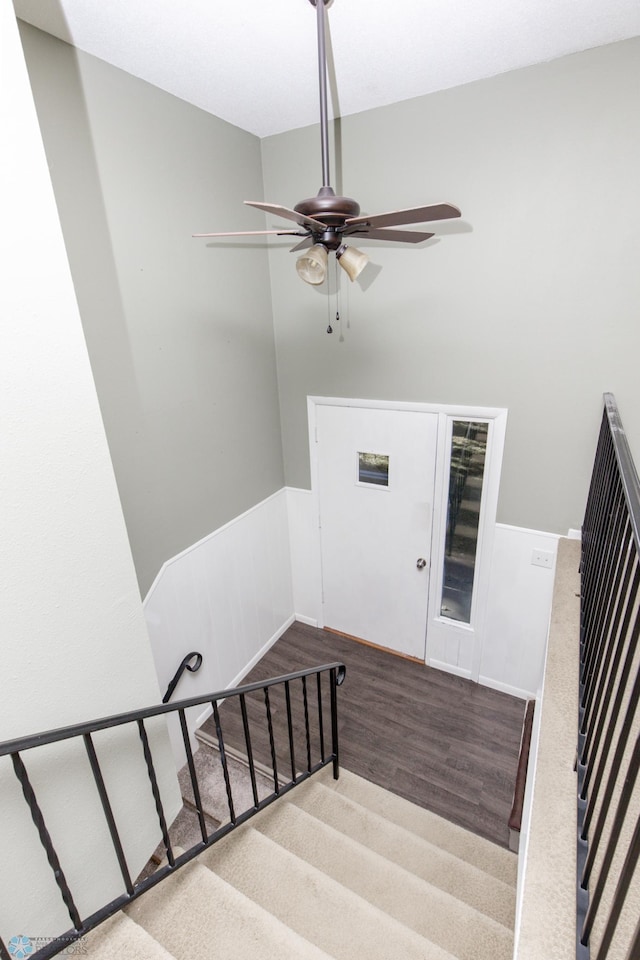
(322, 83)
(332, 209)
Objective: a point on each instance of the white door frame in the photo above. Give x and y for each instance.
(463, 642)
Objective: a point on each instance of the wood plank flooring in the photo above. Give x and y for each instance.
(442, 742)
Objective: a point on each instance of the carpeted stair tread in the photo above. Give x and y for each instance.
(449, 922)
(313, 904)
(120, 937)
(195, 913)
(212, 787)
(489, 857)
(402, 846)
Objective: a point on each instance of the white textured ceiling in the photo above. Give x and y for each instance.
(254, 62)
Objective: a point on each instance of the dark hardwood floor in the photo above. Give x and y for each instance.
(442, 742)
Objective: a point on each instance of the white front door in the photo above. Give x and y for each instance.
(376, 474)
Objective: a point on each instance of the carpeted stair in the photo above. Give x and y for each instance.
(340, 870)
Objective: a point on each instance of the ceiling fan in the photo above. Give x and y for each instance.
(326, 220)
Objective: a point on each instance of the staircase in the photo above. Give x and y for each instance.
(336, 869)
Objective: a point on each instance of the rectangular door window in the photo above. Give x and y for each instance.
(468, 453)
(373, 468)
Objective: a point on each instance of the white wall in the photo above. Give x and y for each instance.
(73, 641)
(228, 597)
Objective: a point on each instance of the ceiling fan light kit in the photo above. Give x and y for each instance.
(352, 260)
(324, 221)
(312, 265)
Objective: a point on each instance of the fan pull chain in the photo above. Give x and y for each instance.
(337, 289)
(339, 301)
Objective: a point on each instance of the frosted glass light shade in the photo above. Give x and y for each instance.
(312, 265)
(352, 261)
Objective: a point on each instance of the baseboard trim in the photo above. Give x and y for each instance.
(249, 666)
(506, 688)
(449, 668)
(310, 621)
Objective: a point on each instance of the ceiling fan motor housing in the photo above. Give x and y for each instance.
(331, 210)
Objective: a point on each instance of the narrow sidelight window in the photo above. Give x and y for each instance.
(468, 453)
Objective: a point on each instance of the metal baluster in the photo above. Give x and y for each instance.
(634, 949)
(608, 739)
(594, 485)
(192, 773)
(320, 716)
(616, 829)
(595, 729)
(622, 889)
(590, 576)
(602, 468)
(616, 512)
(108, 812)
(156, 791)
(272, 742)
(334, 723)
(247, 740)
(591, 514)
(45, 839)
(306, 721)
(593, 638)
(223, 761)
(292, 754)
(606, 599)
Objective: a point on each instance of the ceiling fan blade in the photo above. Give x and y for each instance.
(400, 236)
(288, 214)
(303, 245)
(435, 211)
(253, 233)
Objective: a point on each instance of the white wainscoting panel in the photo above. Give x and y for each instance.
(232, 595)
(304, 541)
(518, 609)
(229, 597)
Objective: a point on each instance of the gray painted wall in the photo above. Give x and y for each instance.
(180, 334)
(531, 302)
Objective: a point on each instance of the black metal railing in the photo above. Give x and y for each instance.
(192, 662)
(248, 709)
(608, 758)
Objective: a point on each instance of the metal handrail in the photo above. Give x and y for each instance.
(607, 765)
(185, 665)
(132, 890)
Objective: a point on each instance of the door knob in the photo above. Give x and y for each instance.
(421, 564)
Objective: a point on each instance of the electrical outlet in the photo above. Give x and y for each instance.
(542, 558)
